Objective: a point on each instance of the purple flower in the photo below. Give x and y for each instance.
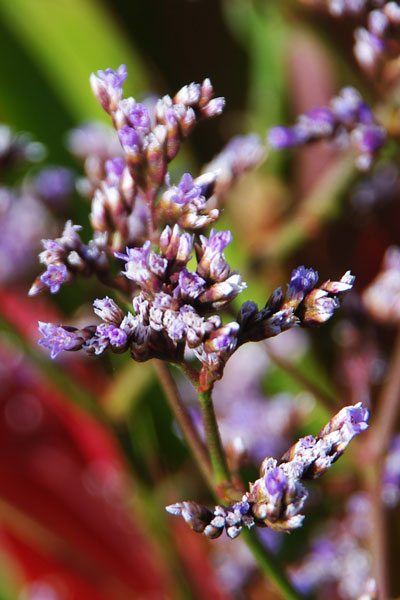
(302, 281)
(113, 79)
(114, 169)
(191, 285)
(58, 338)
(54, 184)
(284, 137)
(139, 118)
(368, 138)
(107, 310)
(117, 336)
(186, 191)
(215, 244)
(130, 139)
(214, 108)
(107, 86)
(275, 481)
(55, 276)
(356, 419)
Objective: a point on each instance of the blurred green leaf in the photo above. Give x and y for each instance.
(69, 39)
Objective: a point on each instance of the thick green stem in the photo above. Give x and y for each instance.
(213, 440)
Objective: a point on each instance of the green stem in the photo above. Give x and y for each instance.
(270, 566)
(184, 420)
(213, 440)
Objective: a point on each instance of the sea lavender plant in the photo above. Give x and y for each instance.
(178, 283)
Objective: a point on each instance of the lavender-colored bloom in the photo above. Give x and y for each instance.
(368, 138)
(130, 139)
(191, 285)
(391, 474)
(139, 118)
(54, 184)
(117, 336)
(347, 117)
(186, 191)
(214, 108)
(58, 338)
(275, 481)
(368, 48)
(113, 79)
(54, 276)
(211, 249)
(107, 310)
(114, 169)
(107, 86)
(302, 281)
(356, 420)
(284, 137)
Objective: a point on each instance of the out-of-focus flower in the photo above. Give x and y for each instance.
(338, 562)
(382, 297)
(391, 474)
(54, 185)
(23, 220)
(348, 120)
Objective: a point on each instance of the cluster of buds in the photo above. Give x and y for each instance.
(303, 304)
(276, 499)
(338, 563)
(67, 256)
(187, 204)
(151, 140)
(175, 309)
(378, 39)
(348, 120)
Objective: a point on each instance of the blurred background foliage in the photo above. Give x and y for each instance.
(271, 61)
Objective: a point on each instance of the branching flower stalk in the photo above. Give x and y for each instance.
(146, 231)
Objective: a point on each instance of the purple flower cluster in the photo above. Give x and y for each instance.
(348, 120)
(151, 140)
(376, 41)
(135, 206)
(186, 203)
(338, 564)
(66, 256)
(276, 499)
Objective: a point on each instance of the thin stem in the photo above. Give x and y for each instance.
(378, 529)
(270, 566)
(184, 420)
(213, 440)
